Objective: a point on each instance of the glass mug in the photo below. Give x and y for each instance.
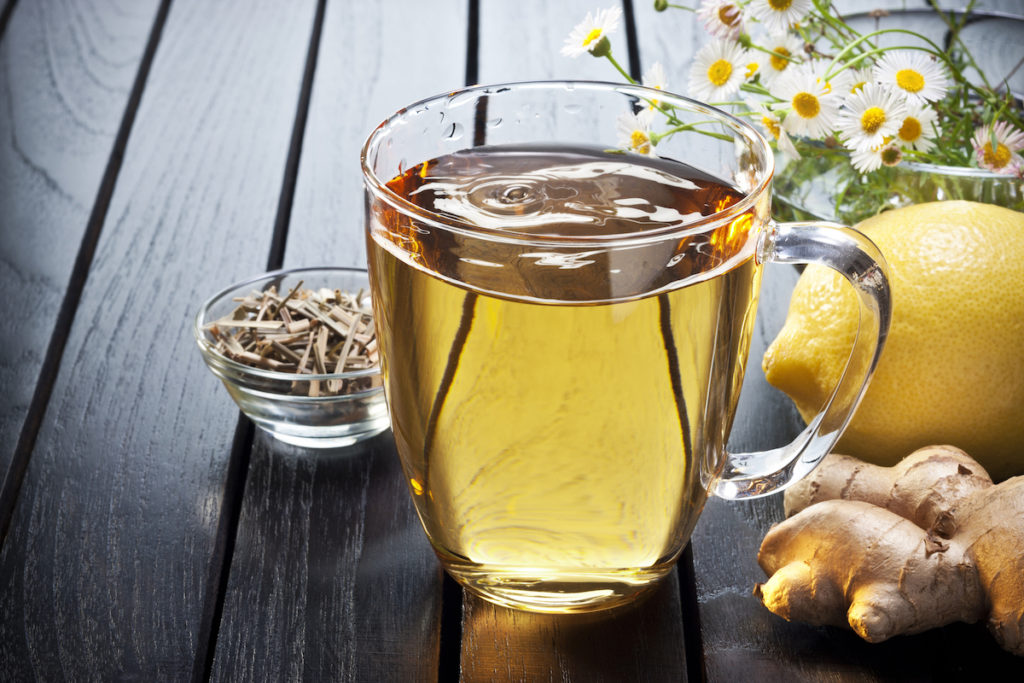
(564, 328)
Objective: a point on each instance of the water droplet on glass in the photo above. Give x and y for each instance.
(453, 131)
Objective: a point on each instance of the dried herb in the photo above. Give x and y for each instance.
(306, 332)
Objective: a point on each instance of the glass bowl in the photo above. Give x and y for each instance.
(325, 410)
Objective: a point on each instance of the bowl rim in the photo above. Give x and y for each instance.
(211, 354)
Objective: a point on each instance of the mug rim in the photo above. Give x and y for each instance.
(751, 136)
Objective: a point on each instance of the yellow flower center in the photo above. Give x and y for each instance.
(806, 105)
(780, 63)
(594, 34)
(729, 15)
(780, 5)
(638, 140)
(909, 80)
(772, 126)
(998, 158)
(719, 72)
(858, 85)
(751, 70)
(872, 119)
(910, 130)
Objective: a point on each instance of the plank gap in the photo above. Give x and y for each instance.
(473, 44)
(632, 44)
(692, 641)
(5, 16)
(449, 665)
(275, 259)
(223, 549)
(79, 274)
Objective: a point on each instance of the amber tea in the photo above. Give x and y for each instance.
(553, 433)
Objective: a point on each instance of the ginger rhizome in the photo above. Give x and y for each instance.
(902, 549)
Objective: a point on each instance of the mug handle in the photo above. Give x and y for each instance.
(855, 257)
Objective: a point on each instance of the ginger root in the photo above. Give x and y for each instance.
(902, 549)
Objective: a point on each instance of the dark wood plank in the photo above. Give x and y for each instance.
(638, 642)
(641, 642)
(328, 542)
(65, 76)
(106, 568)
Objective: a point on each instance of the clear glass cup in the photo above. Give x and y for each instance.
(561, 397)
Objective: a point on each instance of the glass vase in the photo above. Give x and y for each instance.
(825, 186)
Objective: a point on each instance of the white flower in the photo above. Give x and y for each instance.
(721, 18)
(913, 73)
(771, 122)
(858, 78)
(589, 33)
(655, 78)
(718, 70)
(867, 160)
(1004, 157)
(635, 132)
(917, 130)
(841, 83)
(779, 15)
(773, 66)
(813, 106)
(870, 115)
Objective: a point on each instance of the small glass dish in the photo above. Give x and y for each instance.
(325, 410)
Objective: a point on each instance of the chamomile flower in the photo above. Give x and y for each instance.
(1003, 157)
(718, 70)
(858, 78)
(771, 122)
(788, 49)
(917, 130)
(635, 132)
(841, 83)
(915, 74)
(779, 15)
(869, 116)
(721, 18)
(655, 78)
(867, 160)
(813, 106)
(591, 34)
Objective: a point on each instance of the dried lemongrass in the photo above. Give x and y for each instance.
(305, 332)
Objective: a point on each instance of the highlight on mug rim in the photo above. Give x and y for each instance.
(744, 134)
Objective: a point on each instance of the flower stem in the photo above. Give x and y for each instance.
(620, 69)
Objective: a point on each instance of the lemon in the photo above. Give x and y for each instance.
(952, 371)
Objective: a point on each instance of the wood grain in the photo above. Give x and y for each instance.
(521, 41)
(66, 70)
(642, 642)
(374, 59)
(328, 542)
(109, 550)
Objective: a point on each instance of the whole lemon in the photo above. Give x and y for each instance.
(952, 371)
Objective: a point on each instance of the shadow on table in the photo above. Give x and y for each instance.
(638, 642)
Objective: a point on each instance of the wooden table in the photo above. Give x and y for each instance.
(152, 152)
